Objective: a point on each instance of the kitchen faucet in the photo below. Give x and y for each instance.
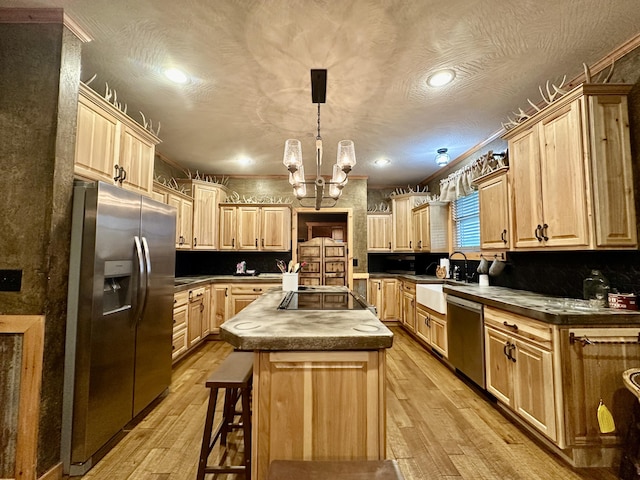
(467, 277)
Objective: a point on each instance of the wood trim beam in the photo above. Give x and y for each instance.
(44, 15)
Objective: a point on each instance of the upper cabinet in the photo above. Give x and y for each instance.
(255, 227)
(206, 198)
(402, 224)
(430, 223)
(111, 147)
(379, 232)
(570, 172)
(493, 198)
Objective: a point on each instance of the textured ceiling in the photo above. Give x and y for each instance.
(249, 64)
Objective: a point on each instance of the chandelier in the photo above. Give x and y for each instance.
(292, 159)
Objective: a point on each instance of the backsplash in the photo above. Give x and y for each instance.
(190, 263)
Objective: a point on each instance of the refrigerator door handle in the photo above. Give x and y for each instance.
(147, 265)
(141, 291)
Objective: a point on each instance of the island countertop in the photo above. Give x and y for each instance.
(262, 326)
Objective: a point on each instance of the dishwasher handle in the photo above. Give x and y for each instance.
(463, 303)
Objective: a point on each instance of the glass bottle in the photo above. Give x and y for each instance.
(595, 289)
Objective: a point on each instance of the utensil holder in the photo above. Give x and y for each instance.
(289, 282)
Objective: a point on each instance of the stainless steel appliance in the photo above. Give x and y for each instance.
(465, 335)
(119, 321)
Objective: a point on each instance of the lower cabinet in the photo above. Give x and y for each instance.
(408, 305)
(219, 306)
(519, 367)
(197, 313)
(180, 313)
(431, 328)
(242, 294)
(383, 294)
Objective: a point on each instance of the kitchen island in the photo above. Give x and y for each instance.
(319, 376)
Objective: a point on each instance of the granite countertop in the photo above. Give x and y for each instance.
(186, 283)
(261, 326)
(556, 310)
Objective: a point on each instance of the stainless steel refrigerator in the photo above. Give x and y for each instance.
(119, 321)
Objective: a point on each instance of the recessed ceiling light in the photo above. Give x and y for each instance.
(244, 160)
(175, 75)
(382, 162)
(441, 78)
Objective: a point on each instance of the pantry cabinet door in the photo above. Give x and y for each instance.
(563, 184)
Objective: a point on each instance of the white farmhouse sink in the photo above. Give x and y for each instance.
(431, 296)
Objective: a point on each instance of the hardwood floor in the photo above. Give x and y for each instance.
(437, 427)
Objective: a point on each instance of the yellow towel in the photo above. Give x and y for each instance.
(605, 419)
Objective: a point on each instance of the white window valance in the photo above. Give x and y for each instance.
(460, 183)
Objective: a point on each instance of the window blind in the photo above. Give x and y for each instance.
(466, 222)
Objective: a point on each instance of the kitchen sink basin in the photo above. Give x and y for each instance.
(431, 296)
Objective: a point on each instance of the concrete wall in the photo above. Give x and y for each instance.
(39, 78)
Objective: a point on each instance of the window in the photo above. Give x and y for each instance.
(466, 223)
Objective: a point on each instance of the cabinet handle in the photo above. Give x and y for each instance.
(226, 292)
(257, 289)
(256, 243)
(195, 241)
(505, 350)
(389, 245)
(503, 236)
(233, 242)
(544, 232)
(379, 287)
(512, 347)
(537, 232)
(175, 301)
(199, 294)
(410, 243)
(510, 325)
(202, 307)
(123, 175)
(263, 242)
(117, 177)
(420, 244)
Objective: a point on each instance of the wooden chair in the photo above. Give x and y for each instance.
(334, 470)
(235, 375)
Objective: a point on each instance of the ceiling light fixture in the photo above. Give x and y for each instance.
(382, 162)
(292, 159)
(176, 76)
(442, 158)
(441, 78)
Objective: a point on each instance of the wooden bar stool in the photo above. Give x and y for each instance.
(235, 375)
(334, 470)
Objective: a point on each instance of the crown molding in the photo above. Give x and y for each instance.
(44, 15)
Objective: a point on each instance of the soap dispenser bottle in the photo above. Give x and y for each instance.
(595, 289)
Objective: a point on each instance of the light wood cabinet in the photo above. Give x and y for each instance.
(402, 224)
(379, 232)
(384, 294)
(206, 198)
(431, 328)
(408, 305)
(255, 227)
(111, 147)
(196, 316)
(219, 306)
(184, 219)
(242, 294)
(207, 312)
(570, 168)
(493, 199)
(519, 367)
(318, 406)
(430, 223)
(180, 314)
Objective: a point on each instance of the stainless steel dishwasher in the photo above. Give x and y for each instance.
(465, 334)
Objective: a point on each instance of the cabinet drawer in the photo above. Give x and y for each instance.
(518, 326)
(179, 342)
(196, 294)
(409, 287)
(251, 289)
(180, 298)
(180, 314)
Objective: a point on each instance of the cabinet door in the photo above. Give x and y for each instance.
(97, 141)
(205, 209)
(186, 220)
(425, 230)
(206, 311)
(228, 228)
(238, 302)
(533, 396)
(423, 325)
(439, 341)
(563, 184)
(416, 231)
(493, 197)
(275, 225)
(390, 299)
(408, 311)
(402, 234)
(177, 202)
(379, 233)
(136, 157)
(219, 306)
(248, 228)
(527, 198)
(498, 365)
(374, 295)
(194, 321)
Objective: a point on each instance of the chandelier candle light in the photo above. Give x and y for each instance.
(293, 157)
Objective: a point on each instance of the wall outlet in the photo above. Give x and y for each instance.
(10, 280)
(355, 262)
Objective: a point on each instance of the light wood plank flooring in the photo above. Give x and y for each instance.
(437, 427)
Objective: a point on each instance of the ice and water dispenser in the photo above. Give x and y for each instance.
(117, 286)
